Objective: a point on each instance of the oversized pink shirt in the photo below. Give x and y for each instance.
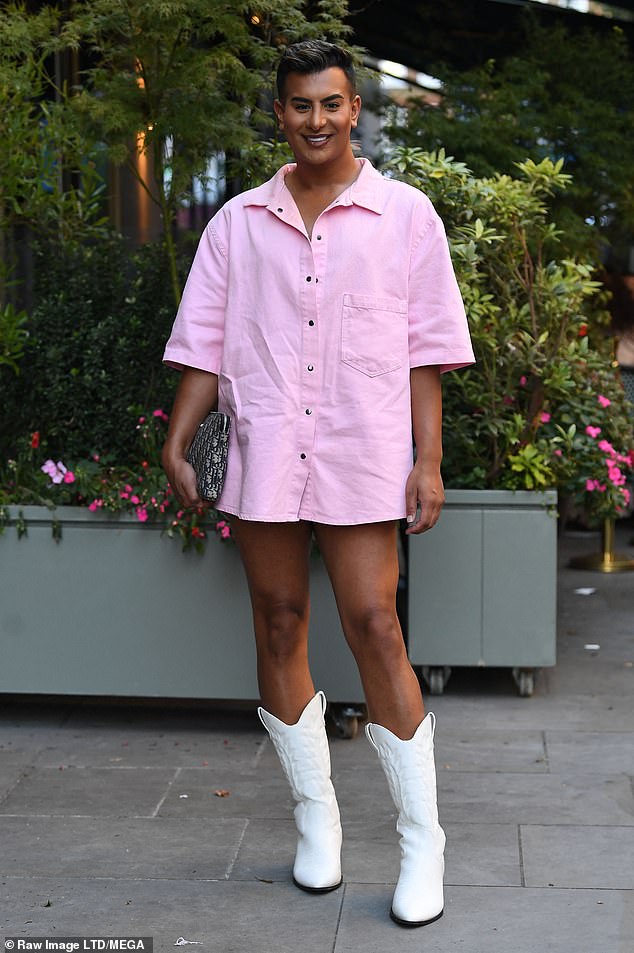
(312, 340)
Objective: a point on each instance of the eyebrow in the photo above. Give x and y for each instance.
(303, 99)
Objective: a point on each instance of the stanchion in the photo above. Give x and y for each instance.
(607, 560)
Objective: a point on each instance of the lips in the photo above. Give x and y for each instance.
(316, 140)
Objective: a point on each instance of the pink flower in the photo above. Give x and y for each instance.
(56, 471)
(523, 380)
(626, 495)
(141, 420)
(95, 505)
(160, 413)
(604, 401)
(141, 513)
(593, 431)
(69, 477)
(96, 457)
(545, 417)
(606, 447)
(225, 532)
(558, 453)
(614, 474)
(124, 495)
(134, 499)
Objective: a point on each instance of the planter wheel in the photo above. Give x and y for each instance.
(345, 720)
(436, 677)
(525, 681)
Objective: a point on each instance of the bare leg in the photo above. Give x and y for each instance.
(363, 566)
(275, 557)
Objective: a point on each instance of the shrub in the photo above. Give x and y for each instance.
(94, 348)
(543, 406)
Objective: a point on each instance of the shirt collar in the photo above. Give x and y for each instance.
(367, 190)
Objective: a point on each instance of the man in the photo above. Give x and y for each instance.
(319, 313)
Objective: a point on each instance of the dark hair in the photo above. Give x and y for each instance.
(313, 56)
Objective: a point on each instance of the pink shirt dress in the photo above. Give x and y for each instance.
(312, 340)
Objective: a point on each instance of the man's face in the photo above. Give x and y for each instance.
(317, 114)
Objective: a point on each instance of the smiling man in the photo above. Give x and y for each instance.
(319, 313)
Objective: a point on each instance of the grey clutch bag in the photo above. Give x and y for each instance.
(208, 455)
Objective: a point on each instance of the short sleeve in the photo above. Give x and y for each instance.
(198, 331)
(438, 328)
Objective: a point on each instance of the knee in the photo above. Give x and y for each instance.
(375, 633)
(281, 628)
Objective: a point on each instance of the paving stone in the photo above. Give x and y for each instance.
(593, 675)
(492, 920)
(490, 750)
(10, 774)
(122, 847)
(143, 748)
(590, 752)
(88, 791)
(601, 712)
(575, 856)
(263, 793)
(225, 917)
(534, 799)
(476, 853)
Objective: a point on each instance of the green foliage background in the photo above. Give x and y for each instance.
(93, 354)
(565, 96)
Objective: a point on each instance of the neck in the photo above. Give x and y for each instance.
(323, 177)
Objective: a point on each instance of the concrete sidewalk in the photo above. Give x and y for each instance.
(111, 823)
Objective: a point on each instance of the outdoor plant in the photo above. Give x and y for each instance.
(33, 477)
(170, 84)
(542, 407)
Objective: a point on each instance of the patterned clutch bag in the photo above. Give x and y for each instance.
(208, 455)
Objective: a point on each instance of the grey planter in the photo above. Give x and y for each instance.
(114, 609)
(482, 586)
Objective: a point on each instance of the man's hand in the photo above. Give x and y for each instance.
(182, 477)
(197, 394)
(425, 487)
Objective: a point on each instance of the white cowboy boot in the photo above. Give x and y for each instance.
(305, 756)
(411, 776)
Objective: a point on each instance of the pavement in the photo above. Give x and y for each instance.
(174, 821)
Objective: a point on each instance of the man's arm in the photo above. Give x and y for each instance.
(196, 396)
(424, 484)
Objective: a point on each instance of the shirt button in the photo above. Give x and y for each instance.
(311, 323)
(280, 209)
(319, 238)
(302, 456)
(310, 367)
(308, 278)
(308, 411)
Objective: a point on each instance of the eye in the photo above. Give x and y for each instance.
(301, 107)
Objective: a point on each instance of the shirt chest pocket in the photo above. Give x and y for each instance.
(373, 333)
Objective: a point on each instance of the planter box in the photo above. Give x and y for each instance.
(114, 609)
(482, 585)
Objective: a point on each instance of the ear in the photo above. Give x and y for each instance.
(355, 109)
(278, 108)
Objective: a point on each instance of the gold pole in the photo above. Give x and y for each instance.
(607, 560)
